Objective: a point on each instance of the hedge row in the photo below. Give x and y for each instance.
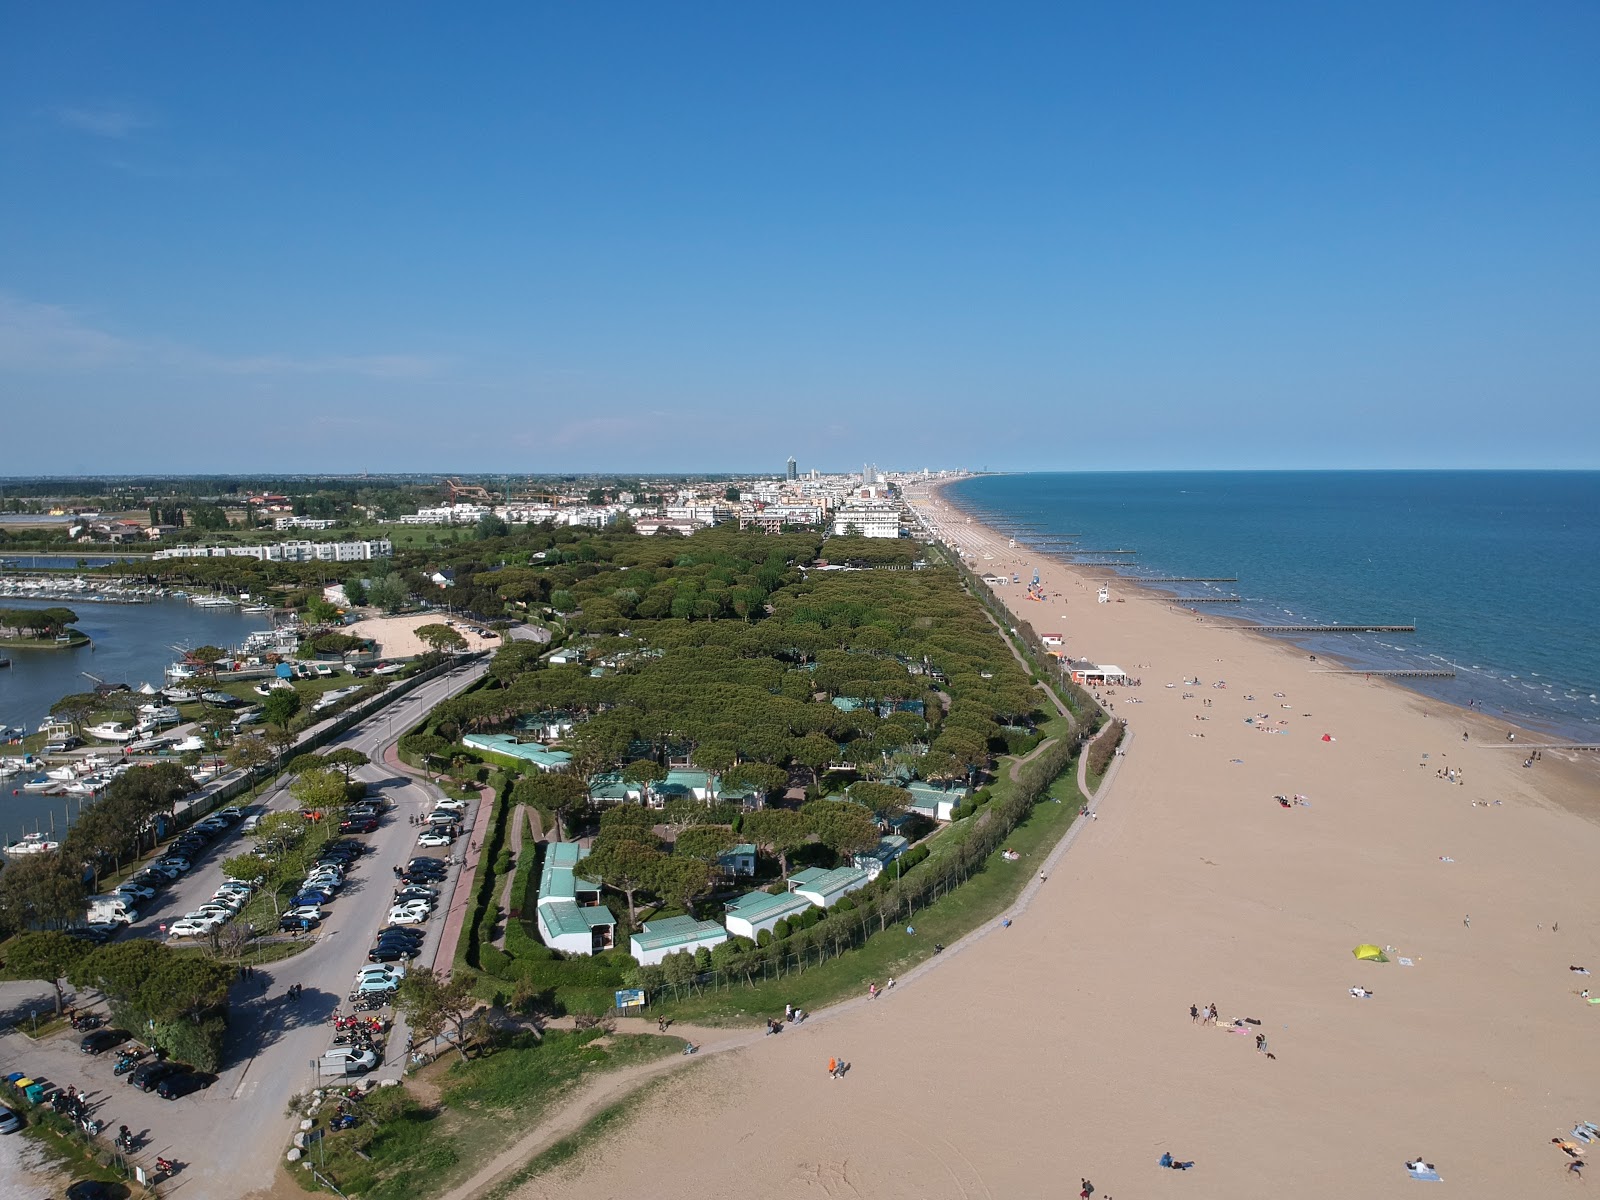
(480, 921)
(1104, 748)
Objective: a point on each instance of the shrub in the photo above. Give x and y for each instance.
(1104, 748)
(781, 929)
(764, 938)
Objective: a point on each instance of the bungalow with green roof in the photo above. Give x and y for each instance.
(657, 939)
(570, 915)
(825, 888)
(888, 849)
(528, 752)
(935, 800)
(738, 860)
(755, 911)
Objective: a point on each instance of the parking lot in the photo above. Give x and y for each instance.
(230, 1136)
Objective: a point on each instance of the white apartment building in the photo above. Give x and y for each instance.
(707, 512)
(281, 523)
(870, 520)
(448, 514)
(297, 551)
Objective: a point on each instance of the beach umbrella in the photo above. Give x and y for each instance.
(1370, 953)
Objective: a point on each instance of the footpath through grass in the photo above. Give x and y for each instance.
(983, 897)
(432, 1133)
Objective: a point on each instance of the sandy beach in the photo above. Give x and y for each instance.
(397, 636)
(1062, 1048)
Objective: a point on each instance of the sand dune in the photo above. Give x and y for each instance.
(1062, 1047)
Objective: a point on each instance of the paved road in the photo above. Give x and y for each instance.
(233, 1134)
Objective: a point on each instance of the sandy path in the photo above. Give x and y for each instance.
(397, 638)
(1062, 1047)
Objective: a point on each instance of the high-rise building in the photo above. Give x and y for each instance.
(793, 472)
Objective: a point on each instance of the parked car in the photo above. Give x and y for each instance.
(408, 916)
(289, 923)
(95, 935)
(174, 863)
(313, 911)
(147, 1075)
(311, 897)
(136, 891)
(230, 813)
(415, 891)
(435, 839)
(102, 1040)
(386, 972)
(11, 1120)
(347, 1060)
(451, 805)
(192, 928)
(386, 952)
(181, 1083)
(375, 986)
(359, 824)
(210, 912)
(404, 932)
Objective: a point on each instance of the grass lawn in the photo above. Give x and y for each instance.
(474, 1110)
(984, 897)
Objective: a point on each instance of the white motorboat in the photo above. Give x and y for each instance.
(32, 843)
(193, 742)
(180, 695)
(111, 731)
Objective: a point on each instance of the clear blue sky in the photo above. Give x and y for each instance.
(519, 237)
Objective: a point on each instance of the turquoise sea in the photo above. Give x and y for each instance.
(1498, 570)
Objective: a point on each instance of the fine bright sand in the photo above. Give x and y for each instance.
(397, 637)
(1062, 1047)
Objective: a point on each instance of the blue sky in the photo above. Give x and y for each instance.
(704, 237)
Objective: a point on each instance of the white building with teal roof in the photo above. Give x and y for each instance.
(570, 914)
(657, 939)
(531, 753)
(888, 849)
(755, 911)
(825, 888)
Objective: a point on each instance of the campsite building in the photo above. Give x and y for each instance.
(657, 939)
(738, 860)
(936, 801)
(531, 753)
(754, 911)
(825, 888)
(570, 915)
(873, 861)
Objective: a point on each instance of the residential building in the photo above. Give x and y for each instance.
(869, 520)
(293, 522)
(529, 752)
(298, 551)
(657, 939)
(754, 911)
(793, 471)
(874, 861)
(739, 860)
(826, 888)
(570, 915)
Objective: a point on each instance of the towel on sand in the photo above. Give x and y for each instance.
(1426, 1176)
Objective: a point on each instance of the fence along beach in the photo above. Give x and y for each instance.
(1062, 1046)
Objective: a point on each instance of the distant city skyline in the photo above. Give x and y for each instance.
(538, 238)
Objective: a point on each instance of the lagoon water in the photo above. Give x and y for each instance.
(132, 644)
(1497, 569)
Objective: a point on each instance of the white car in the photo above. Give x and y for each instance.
(229, 814)
(173, 862)
(231, 901)
(347, 1060)
(434, 839)
(135, 892)
(408, 916)
(310, 911)
(381, 971)
(234, 888)
(191, 928)
(210, 912)
(457, 806)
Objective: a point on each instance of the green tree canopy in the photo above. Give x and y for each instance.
(47, 957)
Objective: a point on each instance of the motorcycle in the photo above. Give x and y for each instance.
(127, 1141)
(83, 1021)
(90, 1125)
(166, 1167)
(125, 1064)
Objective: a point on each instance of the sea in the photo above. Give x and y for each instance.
(131, 644)
(1498, 570)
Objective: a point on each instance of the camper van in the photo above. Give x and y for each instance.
(115, 909)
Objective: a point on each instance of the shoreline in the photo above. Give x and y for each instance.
(1557, 725)
(1581, 766)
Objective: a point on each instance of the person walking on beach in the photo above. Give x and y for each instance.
(833, 1067)
(1467, 920)
(1194, 1015)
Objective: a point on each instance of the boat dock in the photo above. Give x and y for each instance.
(1390, 673)
(1332, 628)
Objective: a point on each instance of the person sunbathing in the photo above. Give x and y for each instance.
(1419, 1165)
(1572, 1149)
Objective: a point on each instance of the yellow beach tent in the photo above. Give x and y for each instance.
(1370, 953)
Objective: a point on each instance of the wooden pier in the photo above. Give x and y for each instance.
(1329, 628)
(1389, 673)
